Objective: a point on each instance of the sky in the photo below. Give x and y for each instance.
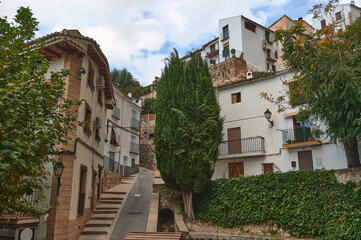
(140, 34)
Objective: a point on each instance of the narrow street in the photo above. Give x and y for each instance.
(134, 215)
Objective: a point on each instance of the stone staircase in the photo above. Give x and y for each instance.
(105, 213)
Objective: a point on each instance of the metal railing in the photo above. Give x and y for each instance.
(134, 148)
(32, 199)
(244, 145)
(297, 135)
(135, 123)
(111, 165)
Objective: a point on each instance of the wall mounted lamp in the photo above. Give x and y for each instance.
(59, 167)
(268, 115)
(82, 70)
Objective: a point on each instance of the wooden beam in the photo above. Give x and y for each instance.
(52, 52)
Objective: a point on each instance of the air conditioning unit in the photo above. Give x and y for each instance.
(97, 122)
(100, 82)
(28, 233)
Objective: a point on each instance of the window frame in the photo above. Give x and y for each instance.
(250, 26)
(88, 118)
(91, 77)
(236, 97)
(225, 32)
(338, 16)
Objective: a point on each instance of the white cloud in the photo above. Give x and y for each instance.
(123, 31)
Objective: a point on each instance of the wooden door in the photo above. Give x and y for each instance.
(235, 169)
(234, 140)
(305, 161)
(92, 202)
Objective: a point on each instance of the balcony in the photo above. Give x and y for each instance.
(271, 57)
(212, 54)
(111, 165)
(298, 137)
(245, 147)
(17, 218)
(135, 123)
(134, 148)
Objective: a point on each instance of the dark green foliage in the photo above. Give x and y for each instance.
(125, 81)
(32, 122)
(188, 125)
(149, 106)
(306, 204)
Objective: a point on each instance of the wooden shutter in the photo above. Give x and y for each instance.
(234, 98)
(305, 161)
(236, 169)
(268, 168)
(234, 140)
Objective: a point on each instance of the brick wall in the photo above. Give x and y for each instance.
(110, 179)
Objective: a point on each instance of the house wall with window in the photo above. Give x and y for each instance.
(122, 139)
(82, 157)
(253, 147)
(343, 15)
(248, 38)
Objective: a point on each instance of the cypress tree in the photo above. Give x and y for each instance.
(188, 127)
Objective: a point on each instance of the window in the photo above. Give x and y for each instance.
(338, 16)
(82, 189)
(225, 32)
(267, 66)
(133, 162)
(273, 68)
(213, 48)
(91, 77)
(113, 136)
(323, 23)
(302, 130)
(236, 97)
(250, 26)
(267, 167)
(88, 118)
(100, 96)
(226, 52)
(276, 54)
(97, 135)
(268, 36)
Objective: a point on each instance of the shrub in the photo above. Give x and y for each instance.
(306, 204)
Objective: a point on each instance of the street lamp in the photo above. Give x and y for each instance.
(59, 167)
(268, 115)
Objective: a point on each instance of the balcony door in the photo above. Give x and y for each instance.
(302, 130)
(305, 161)
(234, 140)
(235, 169)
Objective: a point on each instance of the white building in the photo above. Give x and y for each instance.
(253, 146)
(245, 37)
(343, 15)
(121, 148)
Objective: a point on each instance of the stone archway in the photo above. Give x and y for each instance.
(165, 221)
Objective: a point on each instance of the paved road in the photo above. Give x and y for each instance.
(134, 215)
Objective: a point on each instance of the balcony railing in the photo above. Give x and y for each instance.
(111, 165)
(135, 123)
(244, 145)
(297, 135)
(32, 199)
(271, 56)
(134, 148)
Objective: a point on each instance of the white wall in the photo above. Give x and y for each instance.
(235, 38)
(249, 116)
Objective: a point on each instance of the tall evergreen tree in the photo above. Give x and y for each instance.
(188, 127)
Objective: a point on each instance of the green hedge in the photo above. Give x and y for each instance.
(306, 204)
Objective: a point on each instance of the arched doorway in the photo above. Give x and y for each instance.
(166, 221)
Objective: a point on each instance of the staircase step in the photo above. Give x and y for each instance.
(94, 222)
(113, 192)
(97, 225)
(107, 208)
(111, 198)
(102, 218)
(95, 231)
(105, 211)
(111, 201)
(91, 237)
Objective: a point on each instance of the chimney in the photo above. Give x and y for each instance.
(353, 2)
(300, 19)
(130, 95)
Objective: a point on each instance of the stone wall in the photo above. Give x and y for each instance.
(168, 198)
(345, 175)
(110, 179)
(147, 157)
(231, 70)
